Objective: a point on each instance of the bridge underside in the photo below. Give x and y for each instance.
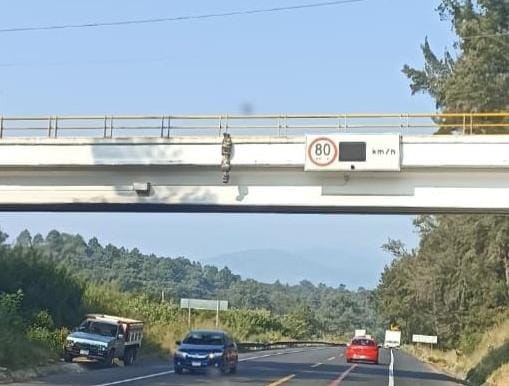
(252, 190)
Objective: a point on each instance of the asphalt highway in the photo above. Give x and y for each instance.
(292, 367)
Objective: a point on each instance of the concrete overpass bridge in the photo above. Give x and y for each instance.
(331, 163)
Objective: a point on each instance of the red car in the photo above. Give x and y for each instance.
(362, 348)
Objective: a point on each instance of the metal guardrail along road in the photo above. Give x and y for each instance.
(248, 346)
(166, 126)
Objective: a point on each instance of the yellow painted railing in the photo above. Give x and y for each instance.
(108, 126)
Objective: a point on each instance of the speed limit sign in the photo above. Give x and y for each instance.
(322, 151)
(353, 152)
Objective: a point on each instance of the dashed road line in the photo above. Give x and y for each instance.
(253, 358)
(331, 358)
(282, 353)
(316, 365)
(137, 378)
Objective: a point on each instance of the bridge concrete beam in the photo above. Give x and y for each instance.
(439, 174)
(416, 151)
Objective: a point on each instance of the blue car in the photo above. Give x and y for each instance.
(204, 350)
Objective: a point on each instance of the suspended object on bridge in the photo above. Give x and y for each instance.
(226, 151)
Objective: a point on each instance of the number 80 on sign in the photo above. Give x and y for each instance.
(322, 151)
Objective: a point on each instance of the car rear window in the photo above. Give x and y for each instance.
(204, 339)
(363, 342)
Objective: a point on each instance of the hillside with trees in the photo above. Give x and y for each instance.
(456, 283)
(336, 310)
(48, 282)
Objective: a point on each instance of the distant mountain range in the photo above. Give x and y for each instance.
(328, 266)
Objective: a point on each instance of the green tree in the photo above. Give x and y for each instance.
(301, 323)
(477, 78)
(24, 239)
(454, 285)
(44, 286)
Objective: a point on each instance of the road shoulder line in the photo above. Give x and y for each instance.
(391, 370)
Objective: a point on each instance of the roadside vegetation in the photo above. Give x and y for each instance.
(487, 362)
(37, 303)
(48, 283)
(454, 285)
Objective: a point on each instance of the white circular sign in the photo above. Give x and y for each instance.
(323, 151)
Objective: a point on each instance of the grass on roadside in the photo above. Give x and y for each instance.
(491, 362)
(488, 362)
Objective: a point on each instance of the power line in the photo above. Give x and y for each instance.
(87, 63)
(178, 18)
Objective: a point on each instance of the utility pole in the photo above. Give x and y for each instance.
(217, 315)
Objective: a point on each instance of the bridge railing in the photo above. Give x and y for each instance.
(248, 346)
(165, 126)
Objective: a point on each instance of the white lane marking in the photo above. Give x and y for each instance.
(252, 358)
(331, 358)
(316, 365)
(391, 370)
(173, 371)
(282, 353)
(137, 378)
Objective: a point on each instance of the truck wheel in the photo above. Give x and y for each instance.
(224, 369)
(129, 356)
(67, 358)
(178, 370)
(108, 361)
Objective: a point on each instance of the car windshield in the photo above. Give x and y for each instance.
(363, 342)
(201, 338)
(98, 328)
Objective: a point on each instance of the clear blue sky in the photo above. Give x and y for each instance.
(344, 58)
